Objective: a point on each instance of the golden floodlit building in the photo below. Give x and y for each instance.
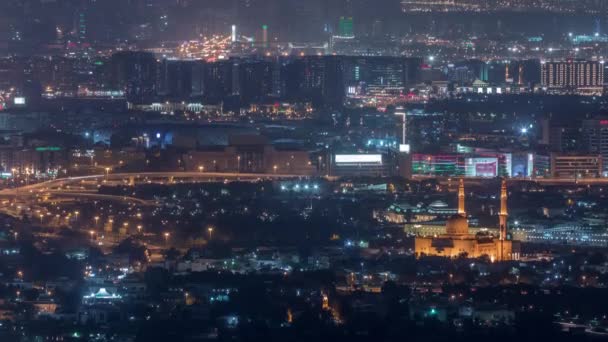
(457, 241)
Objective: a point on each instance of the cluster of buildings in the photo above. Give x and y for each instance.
(301, 84)
(589, 6)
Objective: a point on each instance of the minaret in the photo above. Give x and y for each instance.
(503, 211)
(461, 210)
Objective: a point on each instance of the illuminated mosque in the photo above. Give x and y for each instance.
(457, 241)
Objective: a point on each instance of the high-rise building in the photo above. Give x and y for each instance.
(566, 138)
(346, 27)
(574, 166)
(176, 79)
(136, 73)
(595, 137)
(218, 80)
(256, 80)
(573, 75)
(318, 79)
(265, 35)
(377, 75)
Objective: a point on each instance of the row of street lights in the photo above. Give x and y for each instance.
(210, 231)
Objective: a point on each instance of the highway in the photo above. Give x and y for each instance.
(95, 196)
(86, 186)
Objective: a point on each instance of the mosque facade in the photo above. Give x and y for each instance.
(458, 242)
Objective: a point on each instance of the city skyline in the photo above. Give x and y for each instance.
(283, 170)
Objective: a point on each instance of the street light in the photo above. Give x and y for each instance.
(210, 230)
(167, 235)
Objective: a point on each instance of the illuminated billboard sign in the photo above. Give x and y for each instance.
(48, 149)
(405, 148)
(481, 167)
(358, 159)
(523, 164)
(19, 100)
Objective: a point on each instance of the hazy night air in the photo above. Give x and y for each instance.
(289, 170)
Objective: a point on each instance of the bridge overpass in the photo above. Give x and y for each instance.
(86, 186)
(541, 181)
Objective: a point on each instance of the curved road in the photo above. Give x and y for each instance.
(56, 187)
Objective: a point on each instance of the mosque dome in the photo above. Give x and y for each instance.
(457, 225)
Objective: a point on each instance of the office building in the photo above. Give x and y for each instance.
(576, 166)
(573, 76)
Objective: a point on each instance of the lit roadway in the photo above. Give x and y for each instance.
(75, 186)
(541, 181)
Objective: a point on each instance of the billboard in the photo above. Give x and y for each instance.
(358, 158)
(19, 101)
(523, 164)
(481, 167)
(438, 164)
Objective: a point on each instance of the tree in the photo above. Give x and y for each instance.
(157, 279)
(172, 254)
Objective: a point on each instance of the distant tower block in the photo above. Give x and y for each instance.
(265, 35)
(233, 34)
(461, 210)
(346, 27)
(503, 211)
